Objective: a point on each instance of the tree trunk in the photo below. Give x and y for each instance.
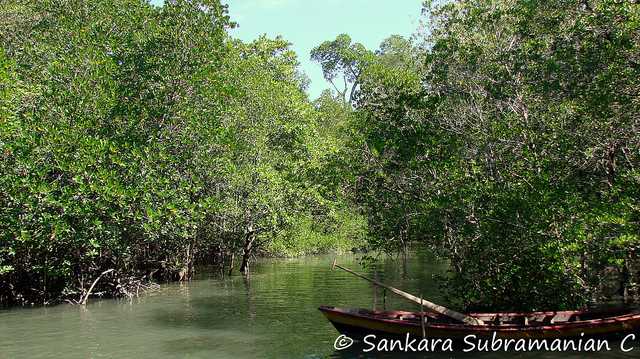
(190, 260)
(233, 255)
(246, 250)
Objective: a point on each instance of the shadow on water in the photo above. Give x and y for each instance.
(274, 309)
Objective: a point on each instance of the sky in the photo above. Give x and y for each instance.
(307, 23)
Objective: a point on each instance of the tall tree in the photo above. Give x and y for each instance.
(342, 60)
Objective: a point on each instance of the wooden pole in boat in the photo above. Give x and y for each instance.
(435, 307)
(384, 298)
(424, 331)
(375, 296)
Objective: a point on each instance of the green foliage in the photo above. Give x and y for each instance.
(510, 147)
(102, 172)
(340, 231)
(146, 140)
(143, 139)
(341, 59)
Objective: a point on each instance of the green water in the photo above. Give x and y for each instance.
(272, 315)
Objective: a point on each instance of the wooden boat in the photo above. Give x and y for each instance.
(357, 323)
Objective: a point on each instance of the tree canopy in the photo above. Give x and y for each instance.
(510, 147)
(147, 140)
(144, 139)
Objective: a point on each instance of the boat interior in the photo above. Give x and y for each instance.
(516, 319)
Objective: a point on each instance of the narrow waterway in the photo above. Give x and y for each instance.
(272, 315)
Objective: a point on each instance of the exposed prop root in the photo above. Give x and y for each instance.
(83, 301)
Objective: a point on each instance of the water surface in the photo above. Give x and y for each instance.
(272, 315)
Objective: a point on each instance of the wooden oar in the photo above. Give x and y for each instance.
(435, 307)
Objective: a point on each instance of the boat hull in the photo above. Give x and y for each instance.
(358, 323)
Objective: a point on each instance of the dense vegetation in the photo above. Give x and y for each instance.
(146, 140)
(507, 141)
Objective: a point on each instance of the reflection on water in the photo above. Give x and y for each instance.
(272, 315)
